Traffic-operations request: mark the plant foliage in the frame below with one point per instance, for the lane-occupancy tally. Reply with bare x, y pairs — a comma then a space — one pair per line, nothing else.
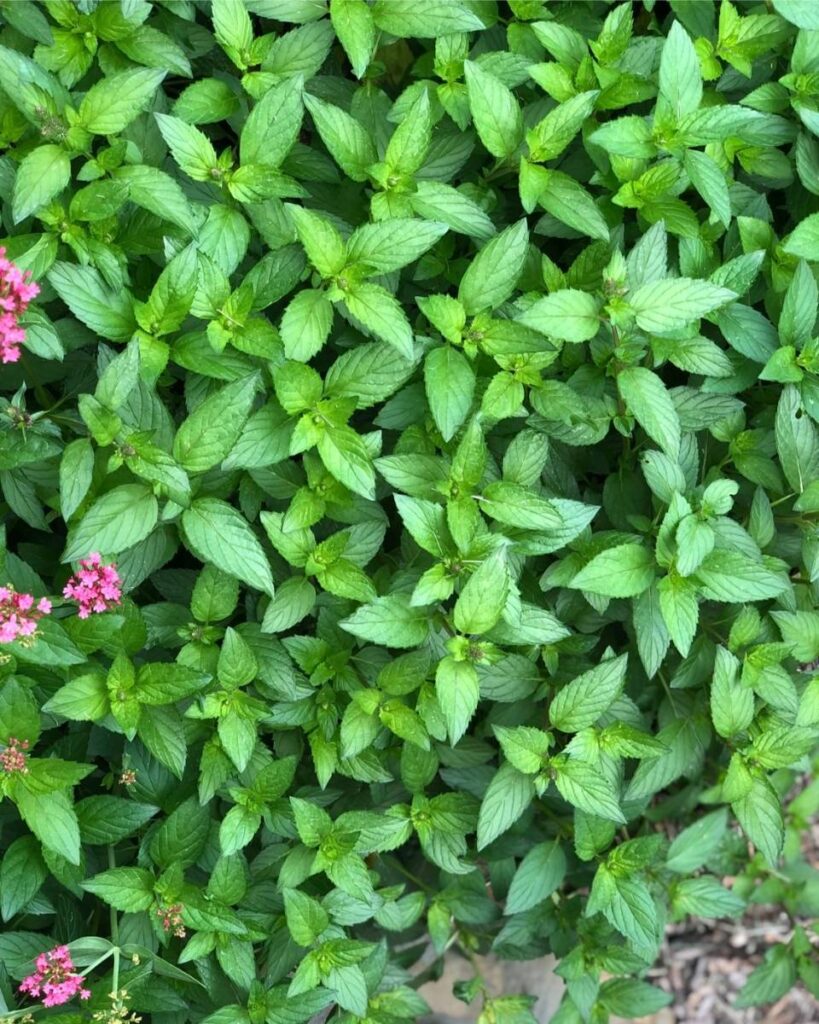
438, 381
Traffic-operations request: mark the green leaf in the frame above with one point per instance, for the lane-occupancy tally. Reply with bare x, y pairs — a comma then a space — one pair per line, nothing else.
355, 28
622, 571
631, 997
76, 471
108, 819
732, 703
105, 311
568, 315
346, 139
539, 874
272, 127
424, 18
506, 798
797, 441
495, 111
206, 437
113, 103
381, 315
126, 889
708, 179
759, 813
84, 699
582, 785
771, 980
22, 873
305, 324
706, 897
41, 176
680, 76
680, 610
491, 277
51, 818
410, 142
734, 577
450, 385
572, 204
347, 458
661, 307
231, 26
191, 149
553, 134
695, 844
799, 12
116, 521
205, 101
392, 244
218, 534
580, 703
389, 621
518, 506
458, 692
162, 732
483, 598
648, 400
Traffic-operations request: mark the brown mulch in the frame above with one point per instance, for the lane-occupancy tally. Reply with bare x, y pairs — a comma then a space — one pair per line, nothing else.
704, 966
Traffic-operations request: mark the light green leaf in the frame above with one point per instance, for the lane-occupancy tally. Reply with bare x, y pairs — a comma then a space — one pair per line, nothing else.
581, 702
491, 277
41, 176
680, 76
450, 386
116, 521
568, 315
647, 398
346, 139
622, 571
218, 534
347, 458
111, 104
382, 315
206, 437
495, 111
389, 621
664, 306
353, 24
458, 692
272, 126
508, 795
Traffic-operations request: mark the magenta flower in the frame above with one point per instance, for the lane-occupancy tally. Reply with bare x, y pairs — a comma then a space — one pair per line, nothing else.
16, 291
19, 614
55, 981
95, 587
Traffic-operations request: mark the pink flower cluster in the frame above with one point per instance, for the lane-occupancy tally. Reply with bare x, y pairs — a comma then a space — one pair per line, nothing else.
54, 981
14, 760
19, 614
16, 291
171, 919
95, 587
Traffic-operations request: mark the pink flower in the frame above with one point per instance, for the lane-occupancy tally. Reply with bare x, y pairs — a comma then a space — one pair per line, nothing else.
95, 587
171, 918
54, 982
18, 614
16, 291
13, 759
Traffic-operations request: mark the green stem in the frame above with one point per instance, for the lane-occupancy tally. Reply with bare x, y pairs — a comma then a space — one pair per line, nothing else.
112, 863
115, 974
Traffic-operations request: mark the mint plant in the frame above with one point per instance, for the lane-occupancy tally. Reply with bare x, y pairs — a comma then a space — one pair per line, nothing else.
409, 452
